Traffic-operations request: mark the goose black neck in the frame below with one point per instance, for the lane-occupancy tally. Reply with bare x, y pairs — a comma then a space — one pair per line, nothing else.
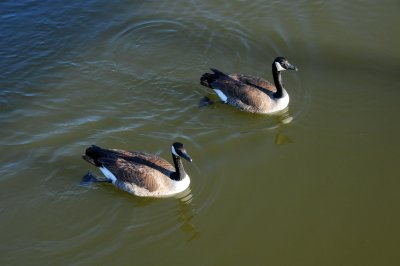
179, 173
278, 82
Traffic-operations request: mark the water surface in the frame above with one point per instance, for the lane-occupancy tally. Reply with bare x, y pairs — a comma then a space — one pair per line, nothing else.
320, 190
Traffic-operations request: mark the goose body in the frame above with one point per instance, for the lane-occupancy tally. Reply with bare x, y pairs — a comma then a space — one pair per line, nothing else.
140, 173
249, 93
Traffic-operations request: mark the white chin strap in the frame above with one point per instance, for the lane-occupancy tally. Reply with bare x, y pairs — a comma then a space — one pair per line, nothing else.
279, 67
173, 150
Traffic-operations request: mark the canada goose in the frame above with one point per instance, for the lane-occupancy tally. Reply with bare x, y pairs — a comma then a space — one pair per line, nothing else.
249, 93
140, 173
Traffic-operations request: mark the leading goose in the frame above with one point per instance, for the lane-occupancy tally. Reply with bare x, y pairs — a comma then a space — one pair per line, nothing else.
249, 93
140, 173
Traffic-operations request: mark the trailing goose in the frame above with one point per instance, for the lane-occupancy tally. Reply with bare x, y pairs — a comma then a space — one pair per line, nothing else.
249, 93
140, 173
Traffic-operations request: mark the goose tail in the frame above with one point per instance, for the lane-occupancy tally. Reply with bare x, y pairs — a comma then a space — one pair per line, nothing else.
92, 154
208, 78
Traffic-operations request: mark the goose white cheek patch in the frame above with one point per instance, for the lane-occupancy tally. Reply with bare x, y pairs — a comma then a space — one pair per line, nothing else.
174, 151
279, 67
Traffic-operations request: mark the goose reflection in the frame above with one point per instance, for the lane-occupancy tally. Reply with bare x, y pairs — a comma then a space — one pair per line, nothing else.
187, 211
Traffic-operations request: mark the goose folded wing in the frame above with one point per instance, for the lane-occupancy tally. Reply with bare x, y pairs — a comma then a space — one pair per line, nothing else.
256, 82
130, 172
240, 91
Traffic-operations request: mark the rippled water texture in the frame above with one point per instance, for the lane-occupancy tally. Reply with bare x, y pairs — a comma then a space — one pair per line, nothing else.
315, 185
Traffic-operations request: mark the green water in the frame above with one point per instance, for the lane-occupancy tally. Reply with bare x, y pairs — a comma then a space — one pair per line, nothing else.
320, 190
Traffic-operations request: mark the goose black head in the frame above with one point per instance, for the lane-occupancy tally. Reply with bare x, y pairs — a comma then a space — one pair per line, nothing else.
282, 64
179, 150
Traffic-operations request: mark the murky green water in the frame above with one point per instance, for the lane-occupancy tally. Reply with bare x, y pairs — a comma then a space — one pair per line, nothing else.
321, 190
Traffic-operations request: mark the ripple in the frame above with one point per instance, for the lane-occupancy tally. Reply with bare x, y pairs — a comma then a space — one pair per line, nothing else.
144, 48
127, 74
142, 33
127, 220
